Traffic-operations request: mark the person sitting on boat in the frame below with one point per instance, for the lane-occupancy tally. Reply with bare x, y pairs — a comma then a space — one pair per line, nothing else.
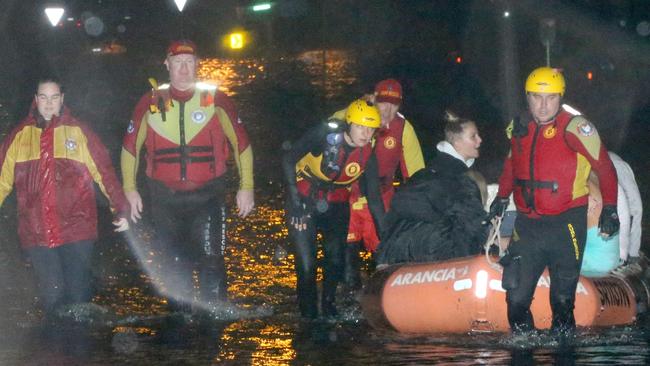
438, 213
602, 254
630, 235
621, 252
319, 169
551, 154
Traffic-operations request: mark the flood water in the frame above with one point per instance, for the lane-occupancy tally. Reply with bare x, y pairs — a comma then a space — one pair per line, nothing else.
128, 323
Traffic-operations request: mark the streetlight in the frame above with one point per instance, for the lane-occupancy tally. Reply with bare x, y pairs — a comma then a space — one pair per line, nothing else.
262, 7
54, 14
180, 4
236, 40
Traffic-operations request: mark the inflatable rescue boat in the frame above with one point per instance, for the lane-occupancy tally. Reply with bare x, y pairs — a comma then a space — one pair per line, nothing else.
465, 295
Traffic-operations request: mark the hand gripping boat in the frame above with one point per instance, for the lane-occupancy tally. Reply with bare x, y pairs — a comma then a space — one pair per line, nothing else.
465, 295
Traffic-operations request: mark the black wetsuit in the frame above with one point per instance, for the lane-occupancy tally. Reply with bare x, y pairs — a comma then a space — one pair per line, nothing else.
201, 236
319, 168
559, 245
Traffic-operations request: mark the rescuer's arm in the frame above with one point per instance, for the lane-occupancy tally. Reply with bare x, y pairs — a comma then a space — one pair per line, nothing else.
370, 187
241, 150
582, 137
308, 143
134, 138
412, 159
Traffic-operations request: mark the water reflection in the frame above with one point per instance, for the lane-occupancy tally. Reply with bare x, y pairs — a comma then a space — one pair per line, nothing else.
332, 71
229, 74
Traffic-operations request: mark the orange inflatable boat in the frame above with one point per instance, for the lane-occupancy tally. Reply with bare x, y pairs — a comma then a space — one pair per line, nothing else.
465, 295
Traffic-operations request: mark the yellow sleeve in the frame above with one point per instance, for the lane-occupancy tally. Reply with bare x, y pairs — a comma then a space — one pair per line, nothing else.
129, 163
411, 150
7, 173
243, 160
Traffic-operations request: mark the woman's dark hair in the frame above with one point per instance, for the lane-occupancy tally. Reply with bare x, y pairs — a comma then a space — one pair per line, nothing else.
454, 125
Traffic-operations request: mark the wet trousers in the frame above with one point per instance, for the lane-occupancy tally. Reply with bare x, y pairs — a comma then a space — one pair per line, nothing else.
333, 225
63, 273
556, 242
190, 234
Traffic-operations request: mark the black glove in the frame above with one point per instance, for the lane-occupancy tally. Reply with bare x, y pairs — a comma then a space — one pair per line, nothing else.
298, 212
498, 207
608, 222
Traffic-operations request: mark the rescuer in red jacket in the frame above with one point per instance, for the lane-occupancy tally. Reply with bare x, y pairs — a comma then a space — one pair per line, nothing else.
551, 154
188, 130
53, 160
397, 149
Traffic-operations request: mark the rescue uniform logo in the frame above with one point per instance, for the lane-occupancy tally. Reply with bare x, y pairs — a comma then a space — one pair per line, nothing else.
586, 128
390, 142
130, 128
198, 116
71, 144
550, 132
352, 169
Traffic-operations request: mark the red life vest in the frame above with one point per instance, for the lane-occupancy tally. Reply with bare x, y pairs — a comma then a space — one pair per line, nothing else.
187, 148
388, 149
317, 180
548, 176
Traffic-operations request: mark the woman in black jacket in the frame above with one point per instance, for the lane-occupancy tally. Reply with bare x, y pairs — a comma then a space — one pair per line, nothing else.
438, 213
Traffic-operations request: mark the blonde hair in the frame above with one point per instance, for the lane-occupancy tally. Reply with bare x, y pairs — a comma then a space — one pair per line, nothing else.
454, 125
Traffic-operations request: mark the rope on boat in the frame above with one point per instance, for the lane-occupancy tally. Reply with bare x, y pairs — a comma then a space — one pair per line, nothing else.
494, 238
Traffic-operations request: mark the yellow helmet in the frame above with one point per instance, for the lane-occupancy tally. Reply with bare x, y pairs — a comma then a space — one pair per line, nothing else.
545, 80
363, 113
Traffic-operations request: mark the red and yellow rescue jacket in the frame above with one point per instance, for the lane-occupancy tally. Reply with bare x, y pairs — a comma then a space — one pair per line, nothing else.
185, 135
53, 168
395, 147
313, 177
548, 167
324, 166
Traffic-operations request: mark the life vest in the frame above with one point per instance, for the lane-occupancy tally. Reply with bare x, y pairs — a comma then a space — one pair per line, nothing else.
388, 149
185, 141
549, 176
327, 173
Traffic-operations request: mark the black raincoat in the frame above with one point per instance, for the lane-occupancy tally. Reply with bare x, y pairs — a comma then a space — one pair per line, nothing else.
436, 215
